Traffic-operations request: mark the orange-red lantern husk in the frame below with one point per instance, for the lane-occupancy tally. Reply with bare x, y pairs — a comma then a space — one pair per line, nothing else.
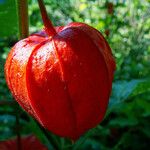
63, 80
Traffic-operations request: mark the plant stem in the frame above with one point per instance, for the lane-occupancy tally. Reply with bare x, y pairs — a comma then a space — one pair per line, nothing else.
51, 140
22, 12
19, 144
7, 102
50, 30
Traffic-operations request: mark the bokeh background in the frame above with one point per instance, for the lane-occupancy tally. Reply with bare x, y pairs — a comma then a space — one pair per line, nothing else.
126, 26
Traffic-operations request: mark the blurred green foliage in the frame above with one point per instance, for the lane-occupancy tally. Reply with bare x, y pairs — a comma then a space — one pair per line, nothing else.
8, 18
126, 26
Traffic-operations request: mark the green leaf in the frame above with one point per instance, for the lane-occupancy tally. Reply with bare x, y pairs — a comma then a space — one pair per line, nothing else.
8, 18
123, 122
122, 90
141, 88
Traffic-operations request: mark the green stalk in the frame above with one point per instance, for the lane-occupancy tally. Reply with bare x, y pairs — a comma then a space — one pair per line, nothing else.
22, 13
50, 138
19, 143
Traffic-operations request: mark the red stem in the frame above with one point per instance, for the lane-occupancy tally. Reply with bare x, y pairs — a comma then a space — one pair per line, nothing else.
50, 30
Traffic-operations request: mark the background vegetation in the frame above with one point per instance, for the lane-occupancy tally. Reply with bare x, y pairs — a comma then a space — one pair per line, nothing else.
126, 26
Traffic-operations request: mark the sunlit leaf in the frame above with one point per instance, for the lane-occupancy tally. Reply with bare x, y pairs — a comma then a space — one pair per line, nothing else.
8, 18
